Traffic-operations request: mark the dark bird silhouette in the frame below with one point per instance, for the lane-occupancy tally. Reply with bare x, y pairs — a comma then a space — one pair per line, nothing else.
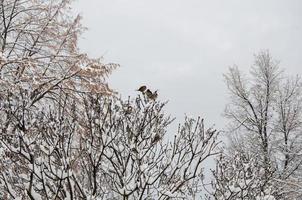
149, 93
156, 138
154, 95
128, 110
142, 89
134, 150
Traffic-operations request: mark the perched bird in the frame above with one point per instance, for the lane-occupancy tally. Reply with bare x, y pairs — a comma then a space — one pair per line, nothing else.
156, 138
154, 96
134, 150
142, 89
149, 93
128, 110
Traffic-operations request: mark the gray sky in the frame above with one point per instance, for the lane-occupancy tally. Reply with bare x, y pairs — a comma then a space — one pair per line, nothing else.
182, 47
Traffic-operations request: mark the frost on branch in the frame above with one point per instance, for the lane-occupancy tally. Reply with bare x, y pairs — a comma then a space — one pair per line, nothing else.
42, 76
39, 54
265, 120
242, 177
109, 149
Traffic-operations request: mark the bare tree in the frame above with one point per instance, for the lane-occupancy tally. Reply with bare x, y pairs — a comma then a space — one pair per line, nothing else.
265, 119
109, 150
288, 127
251, 107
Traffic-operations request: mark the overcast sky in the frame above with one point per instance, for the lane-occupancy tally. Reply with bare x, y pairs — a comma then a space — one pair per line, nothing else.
182, 47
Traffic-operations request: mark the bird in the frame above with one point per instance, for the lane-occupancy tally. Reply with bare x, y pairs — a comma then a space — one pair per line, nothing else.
142, 88
134, 150
128, 110
156, 138
149, 93
154, 95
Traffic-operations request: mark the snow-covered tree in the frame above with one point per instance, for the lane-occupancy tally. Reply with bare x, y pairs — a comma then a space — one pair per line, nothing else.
39, 53
111, 149
266, 122
242, 177
41, 68
63, 135
134, 156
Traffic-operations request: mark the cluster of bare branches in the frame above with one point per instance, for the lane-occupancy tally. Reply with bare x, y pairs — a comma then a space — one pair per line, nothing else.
109, 150
242, 177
